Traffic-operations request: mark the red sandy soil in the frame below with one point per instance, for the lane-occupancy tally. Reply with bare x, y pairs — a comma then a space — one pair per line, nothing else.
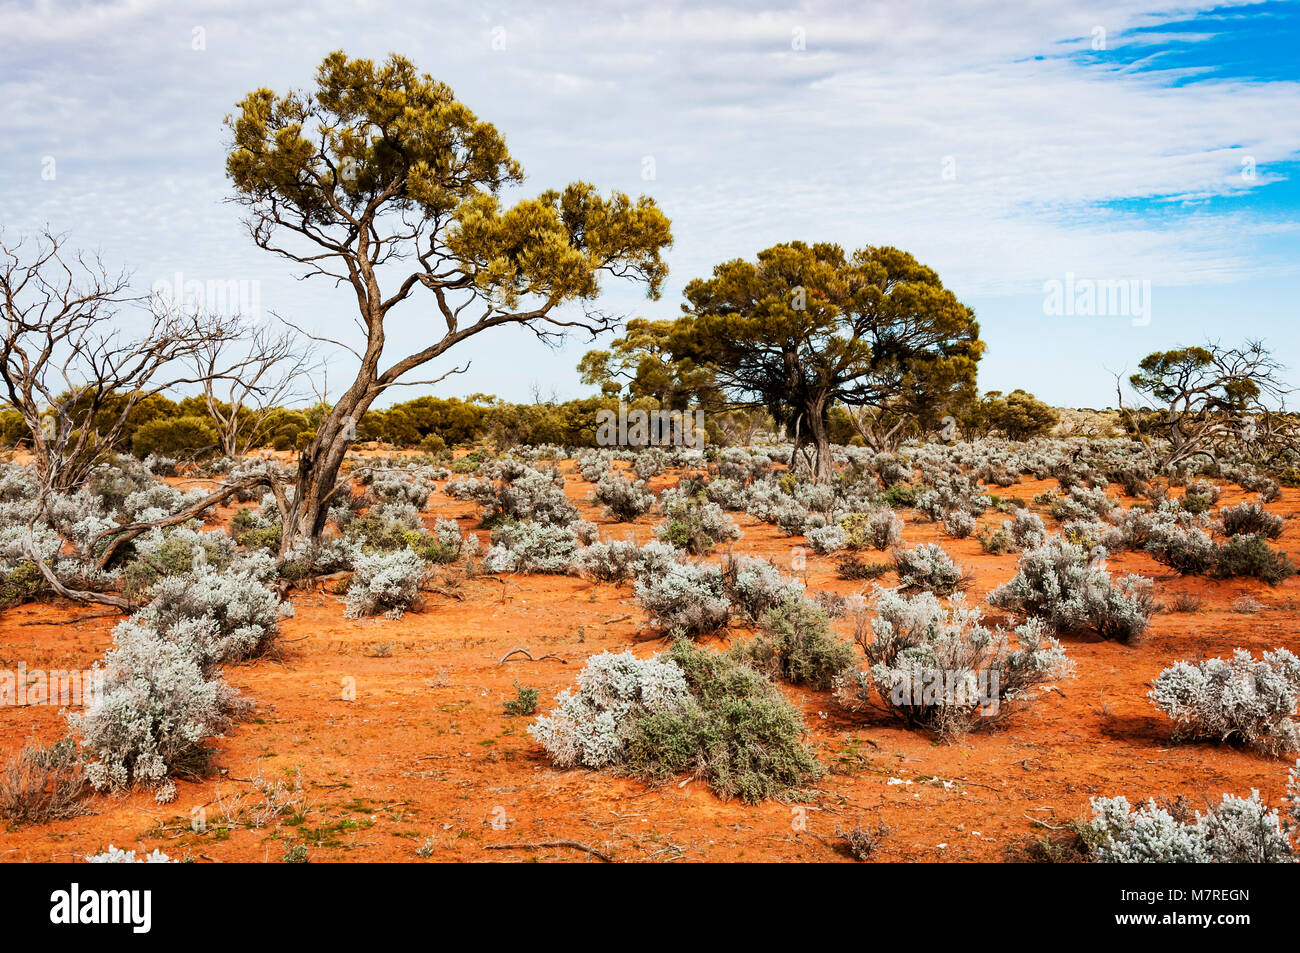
424, 755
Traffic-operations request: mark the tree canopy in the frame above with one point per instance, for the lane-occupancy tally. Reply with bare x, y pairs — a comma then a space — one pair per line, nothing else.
806, 326
382, 181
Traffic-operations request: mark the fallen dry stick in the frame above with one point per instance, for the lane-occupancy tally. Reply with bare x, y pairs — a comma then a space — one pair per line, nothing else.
526, 654
552, 843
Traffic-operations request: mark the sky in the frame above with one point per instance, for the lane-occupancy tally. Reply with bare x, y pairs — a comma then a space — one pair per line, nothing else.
1039, 155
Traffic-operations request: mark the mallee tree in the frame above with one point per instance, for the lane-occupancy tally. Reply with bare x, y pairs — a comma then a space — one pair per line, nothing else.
381, 181
805, 327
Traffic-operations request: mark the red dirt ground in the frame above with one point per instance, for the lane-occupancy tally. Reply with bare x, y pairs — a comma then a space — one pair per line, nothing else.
424, 755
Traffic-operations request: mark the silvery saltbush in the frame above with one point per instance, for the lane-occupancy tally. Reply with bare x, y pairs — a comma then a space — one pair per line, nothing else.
827, 539
623, 499
927, 566
754, 585
590, 727
115, 855
1057, 583
1237, 830
1236, 699
686, 597
533, 548
157, 708
940, 668
384, 582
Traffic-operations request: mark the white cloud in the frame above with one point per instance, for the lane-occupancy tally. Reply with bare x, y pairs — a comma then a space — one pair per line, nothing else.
753, 141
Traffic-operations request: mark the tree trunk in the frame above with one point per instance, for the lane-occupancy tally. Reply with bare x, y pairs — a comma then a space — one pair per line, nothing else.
819, 433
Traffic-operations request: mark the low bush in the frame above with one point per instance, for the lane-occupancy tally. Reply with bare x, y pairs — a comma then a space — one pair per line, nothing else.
157, 709
1057, 583
1250, 519
878, 529
795, 643
827, 539
385, 582
854, 567
741, 735
940, 668
226, 615
623, 500
755, 585
533, 548
614, 562
1237, 830
1238, 699
959, 524
928, 566
690, 711
696, 527
1252, 556
685, 597
40, 784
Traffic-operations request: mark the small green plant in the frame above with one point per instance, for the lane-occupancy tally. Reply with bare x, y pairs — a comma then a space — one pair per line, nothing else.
295, 854
795, 643
524, 702
855, 567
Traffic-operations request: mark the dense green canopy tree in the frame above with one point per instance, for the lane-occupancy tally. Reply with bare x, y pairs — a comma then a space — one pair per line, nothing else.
1018, 415
381, 181
806, 326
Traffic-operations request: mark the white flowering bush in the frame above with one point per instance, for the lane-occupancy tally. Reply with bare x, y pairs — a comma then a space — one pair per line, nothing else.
115, 855
685, 597
827, 539
385, 582
1237, 699
1237, 830
157, 708
623, 499
928, 566
940, 668
533, 548
1057, 583
591, 727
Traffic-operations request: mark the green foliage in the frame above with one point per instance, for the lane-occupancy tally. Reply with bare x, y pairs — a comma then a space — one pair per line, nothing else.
900, 495
175, 437
22, 583
742, 736
1018, 415
806, 326
524, 702
795, 643
1252, 556
644, 361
